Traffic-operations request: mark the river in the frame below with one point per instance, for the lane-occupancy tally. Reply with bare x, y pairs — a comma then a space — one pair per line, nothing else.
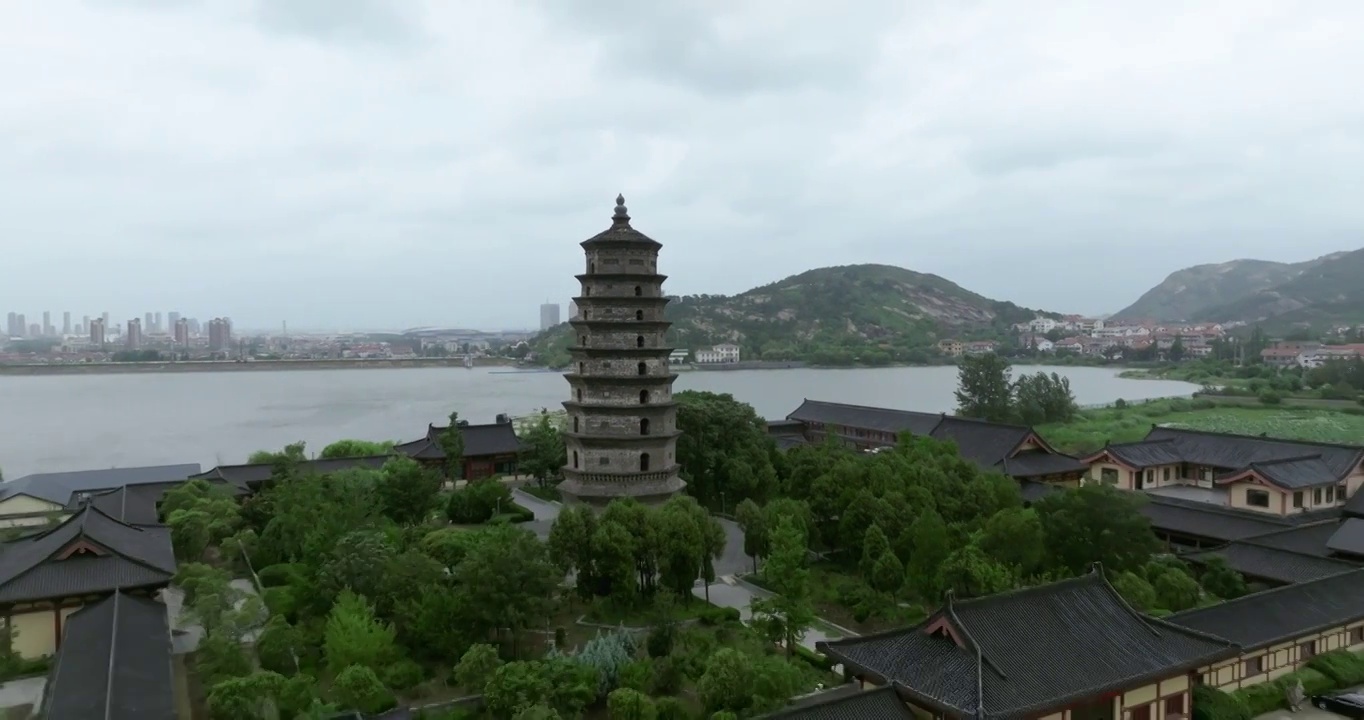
77, 422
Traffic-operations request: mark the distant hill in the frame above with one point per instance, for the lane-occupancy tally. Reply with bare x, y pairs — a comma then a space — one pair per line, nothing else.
1329, 291
870, 314
1190, 294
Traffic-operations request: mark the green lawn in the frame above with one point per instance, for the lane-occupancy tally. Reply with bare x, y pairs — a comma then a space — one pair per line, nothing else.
1095, 427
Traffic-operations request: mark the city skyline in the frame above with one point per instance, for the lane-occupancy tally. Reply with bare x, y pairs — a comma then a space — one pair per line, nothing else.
963, 140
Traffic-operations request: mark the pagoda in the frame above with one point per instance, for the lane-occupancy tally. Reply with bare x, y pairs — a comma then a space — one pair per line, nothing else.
621, 435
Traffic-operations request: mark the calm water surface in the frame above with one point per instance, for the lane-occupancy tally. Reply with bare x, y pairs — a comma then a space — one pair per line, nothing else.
75, 422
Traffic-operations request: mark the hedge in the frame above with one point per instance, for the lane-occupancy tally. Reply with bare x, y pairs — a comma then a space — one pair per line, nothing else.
1209, 703
1273, 695
819, 662
281, 575
716, 615
1345, 668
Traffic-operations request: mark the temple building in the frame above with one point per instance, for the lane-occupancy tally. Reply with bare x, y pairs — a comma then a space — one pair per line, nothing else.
621, 439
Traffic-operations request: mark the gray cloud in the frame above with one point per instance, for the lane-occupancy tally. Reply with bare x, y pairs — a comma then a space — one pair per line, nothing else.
378, 164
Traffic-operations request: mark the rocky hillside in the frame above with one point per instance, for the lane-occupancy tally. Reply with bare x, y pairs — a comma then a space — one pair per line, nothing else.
1192, 293
1330, 291
838, 315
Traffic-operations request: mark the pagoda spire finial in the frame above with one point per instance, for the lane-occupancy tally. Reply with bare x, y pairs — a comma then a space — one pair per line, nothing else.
621, 215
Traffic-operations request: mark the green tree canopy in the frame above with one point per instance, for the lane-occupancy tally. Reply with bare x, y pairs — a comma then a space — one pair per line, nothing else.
983, 388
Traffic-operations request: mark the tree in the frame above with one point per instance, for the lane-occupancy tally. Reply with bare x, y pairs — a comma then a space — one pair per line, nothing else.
451, 441
1014, 538
627, 704
354, 637
969, 573
1175, 588
1041, 398
1096, 524
1135, 590
887, 574
571, 546
679, 549
931, 546
613, 568
250, 697
874, 545
515, 687
356, 448
407, 490
983, 388
752, 523
199, 515
1176, 353
726, 682
359, 562
506, 582
359, 687
724, 450
1222, 581
786, 615
544, 453
293, 452
477, 667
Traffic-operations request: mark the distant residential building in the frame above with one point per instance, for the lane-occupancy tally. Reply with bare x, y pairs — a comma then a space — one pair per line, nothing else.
97, 331
21, 326
35, 330
572, 310
48, 329
678, 356
172, 318
980, 347
133, 339
66, 322
149, 322
549, 315
951, 348
219, 334
12, 326
181, 332
157, 327
725, 353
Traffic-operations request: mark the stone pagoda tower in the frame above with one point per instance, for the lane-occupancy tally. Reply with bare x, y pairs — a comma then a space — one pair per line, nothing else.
622, 423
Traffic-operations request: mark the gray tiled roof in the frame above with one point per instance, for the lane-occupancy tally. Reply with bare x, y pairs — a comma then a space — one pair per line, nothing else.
1273, 564
987, 444
137, 504
479, 440
1205, 521
1291, 464
1308, 539
1348, 539
59, 487
846, 703
1030, 651
114, 663
1273, 616
251, 475
137, 557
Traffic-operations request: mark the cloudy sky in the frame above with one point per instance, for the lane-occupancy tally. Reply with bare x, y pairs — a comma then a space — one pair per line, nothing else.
375, 163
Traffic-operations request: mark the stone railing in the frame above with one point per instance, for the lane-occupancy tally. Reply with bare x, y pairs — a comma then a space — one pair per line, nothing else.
612, 478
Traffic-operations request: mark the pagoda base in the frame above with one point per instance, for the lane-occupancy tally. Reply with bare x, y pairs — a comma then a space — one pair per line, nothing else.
597, 491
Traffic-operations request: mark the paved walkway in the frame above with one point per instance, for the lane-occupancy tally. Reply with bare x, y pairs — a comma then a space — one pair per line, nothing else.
21, 694
734, 592
546, 511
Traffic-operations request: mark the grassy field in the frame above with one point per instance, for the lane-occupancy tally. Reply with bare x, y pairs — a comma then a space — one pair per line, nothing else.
1095, 427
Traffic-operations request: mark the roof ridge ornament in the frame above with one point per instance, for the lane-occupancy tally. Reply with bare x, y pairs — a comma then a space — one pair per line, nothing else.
622, 215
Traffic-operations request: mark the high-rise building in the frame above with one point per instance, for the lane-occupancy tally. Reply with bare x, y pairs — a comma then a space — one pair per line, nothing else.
157, 327
96, 331
195, 328
66, 322
549, 315
35, 330
181, 331
572, 310
21, 323
219, 334
12, 325
134, 336
622, 434
48, 329
149, 322
105, 317
171, 319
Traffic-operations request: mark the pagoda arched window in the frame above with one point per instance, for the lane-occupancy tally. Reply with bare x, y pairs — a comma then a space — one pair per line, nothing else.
591, 268
575, 423
643, 369
639, 314
580, 394
639, 341
582, 368
644, 462
638, 291
575, 459
643, 397
644, 426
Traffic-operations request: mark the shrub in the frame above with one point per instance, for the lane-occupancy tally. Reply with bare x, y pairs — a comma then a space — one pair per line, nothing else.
670, 708
1269, 696
281, 601
359, 688
403, 675
819, 662
1209, 703
1345, 668
668, 678
660, 642
477, 502
477, 667
1270, 397
281, 575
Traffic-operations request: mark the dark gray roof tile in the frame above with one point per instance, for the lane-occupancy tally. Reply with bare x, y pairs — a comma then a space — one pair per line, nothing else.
1272, 564
1202, 520
871, 418
846, 703
252, 475
479, 440
1033, 463
1348, 539
1281, 614
114, 663
134, 557
58, 487
1235, 452
1018, 650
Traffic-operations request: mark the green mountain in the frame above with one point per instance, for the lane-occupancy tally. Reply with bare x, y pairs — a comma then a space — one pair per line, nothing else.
1330, 291
867, 314
1190, 294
